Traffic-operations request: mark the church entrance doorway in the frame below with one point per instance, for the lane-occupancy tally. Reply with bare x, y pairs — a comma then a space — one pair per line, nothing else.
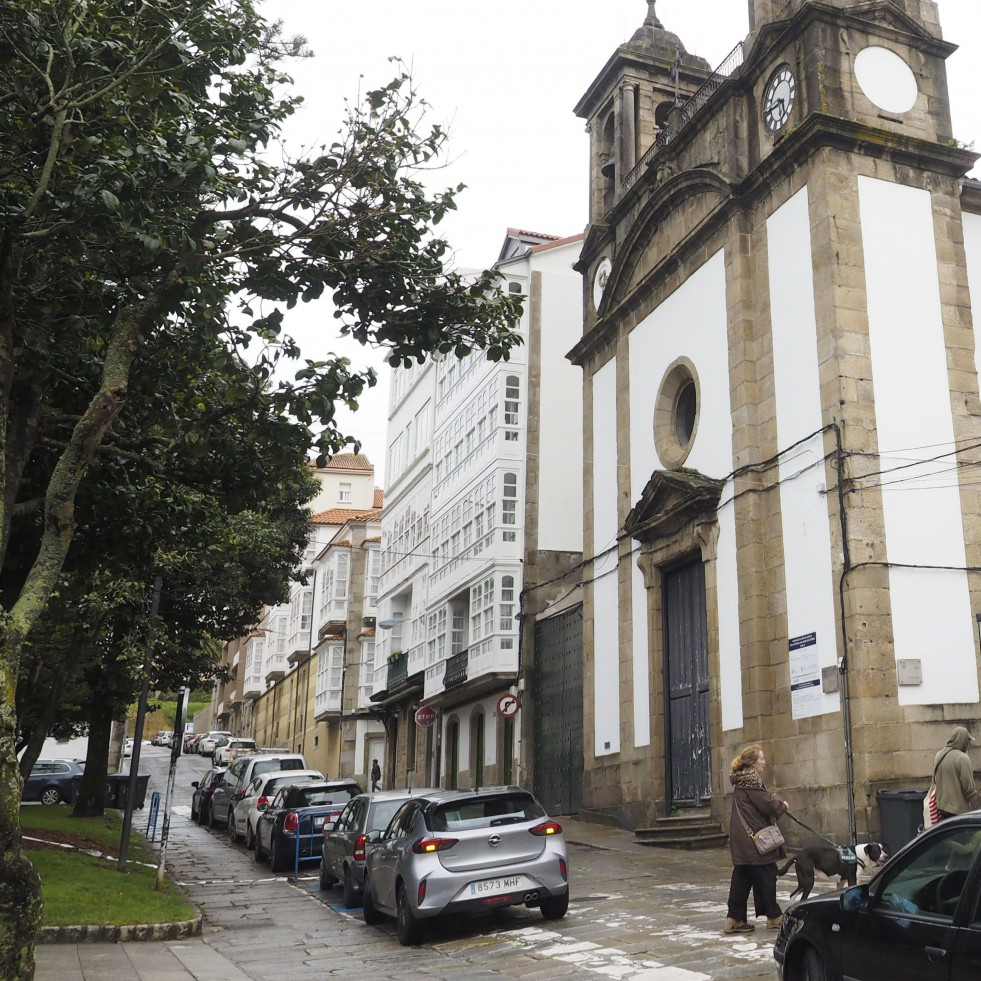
688, 762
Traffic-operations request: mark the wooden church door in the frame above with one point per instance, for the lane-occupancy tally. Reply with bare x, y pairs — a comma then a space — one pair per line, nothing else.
687, 687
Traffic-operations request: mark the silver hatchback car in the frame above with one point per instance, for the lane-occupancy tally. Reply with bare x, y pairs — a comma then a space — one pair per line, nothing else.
452, 851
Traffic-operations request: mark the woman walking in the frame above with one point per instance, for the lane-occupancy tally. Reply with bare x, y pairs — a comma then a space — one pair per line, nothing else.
753, 808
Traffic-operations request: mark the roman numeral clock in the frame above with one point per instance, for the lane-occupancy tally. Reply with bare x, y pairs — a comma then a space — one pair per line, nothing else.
778, 98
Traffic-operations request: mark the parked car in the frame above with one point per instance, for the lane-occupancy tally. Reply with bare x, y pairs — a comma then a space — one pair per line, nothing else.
156, 737
297, 815
345, 840
240, 774
203, 790
188, 737
195, 742
916, 919
454, 851
53, 781
243, 816
128, 746
231, 748
167, 738
209, 740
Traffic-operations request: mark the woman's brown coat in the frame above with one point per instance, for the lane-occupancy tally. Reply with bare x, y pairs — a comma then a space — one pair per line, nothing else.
759, 807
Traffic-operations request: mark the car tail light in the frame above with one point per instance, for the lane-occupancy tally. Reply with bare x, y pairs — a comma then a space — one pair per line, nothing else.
548, 828
562, 869
292, 822
425, 845
359, 847
422, 892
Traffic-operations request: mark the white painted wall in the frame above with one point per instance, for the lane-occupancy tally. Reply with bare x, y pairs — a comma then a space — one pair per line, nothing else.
803, 502
641, 657
560, 412
932, 616
972, 247
606, 613
692, 323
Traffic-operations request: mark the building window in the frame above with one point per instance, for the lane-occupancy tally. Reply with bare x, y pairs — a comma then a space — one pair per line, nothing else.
344, 494
509, 507
507, 603
676, 411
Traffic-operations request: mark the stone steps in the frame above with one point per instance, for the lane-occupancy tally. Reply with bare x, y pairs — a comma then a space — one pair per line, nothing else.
687, 830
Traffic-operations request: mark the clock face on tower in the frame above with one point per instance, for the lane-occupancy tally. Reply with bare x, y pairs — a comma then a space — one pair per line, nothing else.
778, 99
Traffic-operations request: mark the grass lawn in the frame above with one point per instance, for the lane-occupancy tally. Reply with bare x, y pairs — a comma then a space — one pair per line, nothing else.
84, 889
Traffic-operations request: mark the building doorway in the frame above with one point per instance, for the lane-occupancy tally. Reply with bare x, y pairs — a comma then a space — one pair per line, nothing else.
686, 677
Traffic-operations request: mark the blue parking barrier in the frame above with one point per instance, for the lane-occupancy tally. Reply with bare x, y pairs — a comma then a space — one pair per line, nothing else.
151, 821
314, 836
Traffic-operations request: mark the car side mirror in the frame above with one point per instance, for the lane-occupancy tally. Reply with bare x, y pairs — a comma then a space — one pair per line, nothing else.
855, 899
239, 795
329, 826
194, 783
262, 807
373, 837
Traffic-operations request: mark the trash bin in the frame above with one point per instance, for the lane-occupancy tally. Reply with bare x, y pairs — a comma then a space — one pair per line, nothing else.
902, 816
117, 790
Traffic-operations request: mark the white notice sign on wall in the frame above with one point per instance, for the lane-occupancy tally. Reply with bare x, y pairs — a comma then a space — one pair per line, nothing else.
805, 677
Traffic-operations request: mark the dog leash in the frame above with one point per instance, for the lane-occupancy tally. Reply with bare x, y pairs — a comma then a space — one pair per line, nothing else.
808, 828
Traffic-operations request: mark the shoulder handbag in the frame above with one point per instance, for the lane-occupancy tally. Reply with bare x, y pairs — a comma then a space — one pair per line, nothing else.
931, 815
767, 839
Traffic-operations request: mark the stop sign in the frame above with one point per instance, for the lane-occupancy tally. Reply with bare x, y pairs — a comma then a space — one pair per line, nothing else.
425, 716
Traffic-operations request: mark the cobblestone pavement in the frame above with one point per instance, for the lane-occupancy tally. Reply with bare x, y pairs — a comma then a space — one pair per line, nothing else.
636, 914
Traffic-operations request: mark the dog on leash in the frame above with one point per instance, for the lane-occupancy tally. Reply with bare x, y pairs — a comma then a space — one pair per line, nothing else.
826, 859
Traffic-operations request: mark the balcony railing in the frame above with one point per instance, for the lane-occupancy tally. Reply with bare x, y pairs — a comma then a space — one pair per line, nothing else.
398, 668
732, 61
456, 669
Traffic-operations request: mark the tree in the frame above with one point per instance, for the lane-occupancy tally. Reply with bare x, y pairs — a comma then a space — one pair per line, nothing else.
140, 215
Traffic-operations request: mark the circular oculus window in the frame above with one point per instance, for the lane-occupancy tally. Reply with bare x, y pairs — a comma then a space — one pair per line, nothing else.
887, 81
676, 412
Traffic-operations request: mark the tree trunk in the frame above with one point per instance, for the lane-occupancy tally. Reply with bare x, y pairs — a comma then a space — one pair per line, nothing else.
91, 799
20, 885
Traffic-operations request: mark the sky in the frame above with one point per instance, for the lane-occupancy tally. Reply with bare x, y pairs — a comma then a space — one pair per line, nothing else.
504, 78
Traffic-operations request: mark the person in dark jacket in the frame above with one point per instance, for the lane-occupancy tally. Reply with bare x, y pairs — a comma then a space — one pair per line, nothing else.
954, 776
376, 775
753, 807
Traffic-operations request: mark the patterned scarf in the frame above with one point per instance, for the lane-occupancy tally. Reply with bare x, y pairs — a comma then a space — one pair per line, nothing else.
747, 777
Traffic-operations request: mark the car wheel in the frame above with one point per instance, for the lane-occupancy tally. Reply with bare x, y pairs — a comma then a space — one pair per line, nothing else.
50, 795
260, 852
350, 890
194, 814
203, 814
368, 909
212, 823
233, 835
406, 923
277, 860
813, 966
249, 837
555, 907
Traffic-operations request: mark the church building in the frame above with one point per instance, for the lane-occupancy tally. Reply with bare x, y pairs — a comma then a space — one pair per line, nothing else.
781, 416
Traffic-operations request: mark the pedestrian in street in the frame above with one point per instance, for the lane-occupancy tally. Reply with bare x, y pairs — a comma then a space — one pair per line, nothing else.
953, 775
753, 808
376, 775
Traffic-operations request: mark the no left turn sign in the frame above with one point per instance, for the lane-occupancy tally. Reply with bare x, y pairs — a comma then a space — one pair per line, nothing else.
508, 705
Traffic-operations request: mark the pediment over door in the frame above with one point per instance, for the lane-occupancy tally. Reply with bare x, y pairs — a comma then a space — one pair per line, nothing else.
672, 501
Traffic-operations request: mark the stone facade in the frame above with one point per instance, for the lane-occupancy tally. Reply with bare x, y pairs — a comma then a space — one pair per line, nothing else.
709, 195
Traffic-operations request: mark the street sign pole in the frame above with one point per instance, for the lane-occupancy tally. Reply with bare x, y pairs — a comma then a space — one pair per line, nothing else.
176, 748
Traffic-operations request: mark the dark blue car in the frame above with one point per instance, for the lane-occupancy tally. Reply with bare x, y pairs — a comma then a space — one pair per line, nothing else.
291, 827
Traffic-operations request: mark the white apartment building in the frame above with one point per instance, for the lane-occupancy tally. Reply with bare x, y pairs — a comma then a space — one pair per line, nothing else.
454, 529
